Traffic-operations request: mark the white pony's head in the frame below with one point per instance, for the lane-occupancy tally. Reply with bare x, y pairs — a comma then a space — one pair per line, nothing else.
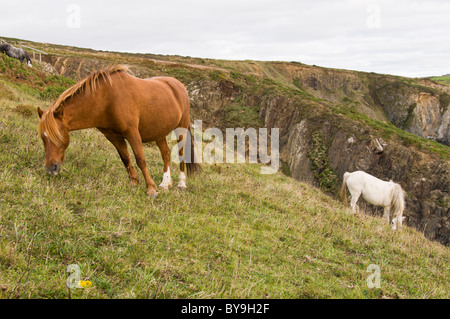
397, 222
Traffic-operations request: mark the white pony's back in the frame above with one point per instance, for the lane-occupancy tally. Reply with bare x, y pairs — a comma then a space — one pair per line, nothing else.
373, 190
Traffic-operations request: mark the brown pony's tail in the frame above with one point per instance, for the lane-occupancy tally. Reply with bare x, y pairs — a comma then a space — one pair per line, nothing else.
343, 192
191, 166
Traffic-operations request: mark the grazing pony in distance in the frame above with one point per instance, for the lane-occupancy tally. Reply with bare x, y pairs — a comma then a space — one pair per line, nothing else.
122, 107
16, 53
390, 195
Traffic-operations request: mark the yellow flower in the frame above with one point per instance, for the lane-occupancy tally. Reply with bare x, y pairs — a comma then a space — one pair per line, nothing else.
85, 283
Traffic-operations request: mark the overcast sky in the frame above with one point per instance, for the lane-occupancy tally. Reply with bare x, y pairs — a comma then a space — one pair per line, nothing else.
401, 37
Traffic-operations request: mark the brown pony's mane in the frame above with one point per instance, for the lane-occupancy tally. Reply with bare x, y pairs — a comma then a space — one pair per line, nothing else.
48, 122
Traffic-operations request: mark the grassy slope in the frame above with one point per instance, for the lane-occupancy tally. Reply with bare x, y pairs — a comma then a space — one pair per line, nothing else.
234, 234
445, 79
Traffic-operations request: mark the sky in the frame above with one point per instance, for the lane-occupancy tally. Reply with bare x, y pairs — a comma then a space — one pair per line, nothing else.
399, 37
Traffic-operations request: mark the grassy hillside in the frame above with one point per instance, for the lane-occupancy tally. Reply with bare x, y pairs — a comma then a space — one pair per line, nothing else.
444, 79
233, 234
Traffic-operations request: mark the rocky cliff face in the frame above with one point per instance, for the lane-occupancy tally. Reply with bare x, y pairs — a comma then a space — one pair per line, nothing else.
430, 118
421, 110
417, 106
330, 121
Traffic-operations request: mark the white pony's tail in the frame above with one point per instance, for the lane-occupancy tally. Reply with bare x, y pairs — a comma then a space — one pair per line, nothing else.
397, 203
343, 192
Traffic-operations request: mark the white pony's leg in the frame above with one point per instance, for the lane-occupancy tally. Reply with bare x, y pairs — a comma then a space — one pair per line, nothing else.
355, 197
167, 180
387, 213
394, 224
182, 181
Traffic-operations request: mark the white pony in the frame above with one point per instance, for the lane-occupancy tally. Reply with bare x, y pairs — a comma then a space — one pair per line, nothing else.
376, 192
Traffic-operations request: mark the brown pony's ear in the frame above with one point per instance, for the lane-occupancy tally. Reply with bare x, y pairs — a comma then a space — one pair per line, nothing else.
59, 112
40, 112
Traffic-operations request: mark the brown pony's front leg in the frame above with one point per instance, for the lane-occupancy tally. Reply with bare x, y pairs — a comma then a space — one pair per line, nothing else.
134, 138
121, 146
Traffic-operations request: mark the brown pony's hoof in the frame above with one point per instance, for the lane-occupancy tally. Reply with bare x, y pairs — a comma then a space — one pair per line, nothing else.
153, 194
134, 181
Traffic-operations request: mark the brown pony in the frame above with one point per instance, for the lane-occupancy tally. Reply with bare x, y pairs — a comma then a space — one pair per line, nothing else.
122, 107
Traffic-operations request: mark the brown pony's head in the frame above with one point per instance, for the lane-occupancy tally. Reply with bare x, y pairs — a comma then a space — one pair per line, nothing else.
55, 135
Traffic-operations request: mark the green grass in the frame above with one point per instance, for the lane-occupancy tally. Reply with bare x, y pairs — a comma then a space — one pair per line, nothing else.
233, 234
442, 79
32, 82
237, 115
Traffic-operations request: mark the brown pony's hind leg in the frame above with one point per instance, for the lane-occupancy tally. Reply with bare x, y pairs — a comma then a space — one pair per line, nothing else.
134, 138
121, 146
182, 176
165, 153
